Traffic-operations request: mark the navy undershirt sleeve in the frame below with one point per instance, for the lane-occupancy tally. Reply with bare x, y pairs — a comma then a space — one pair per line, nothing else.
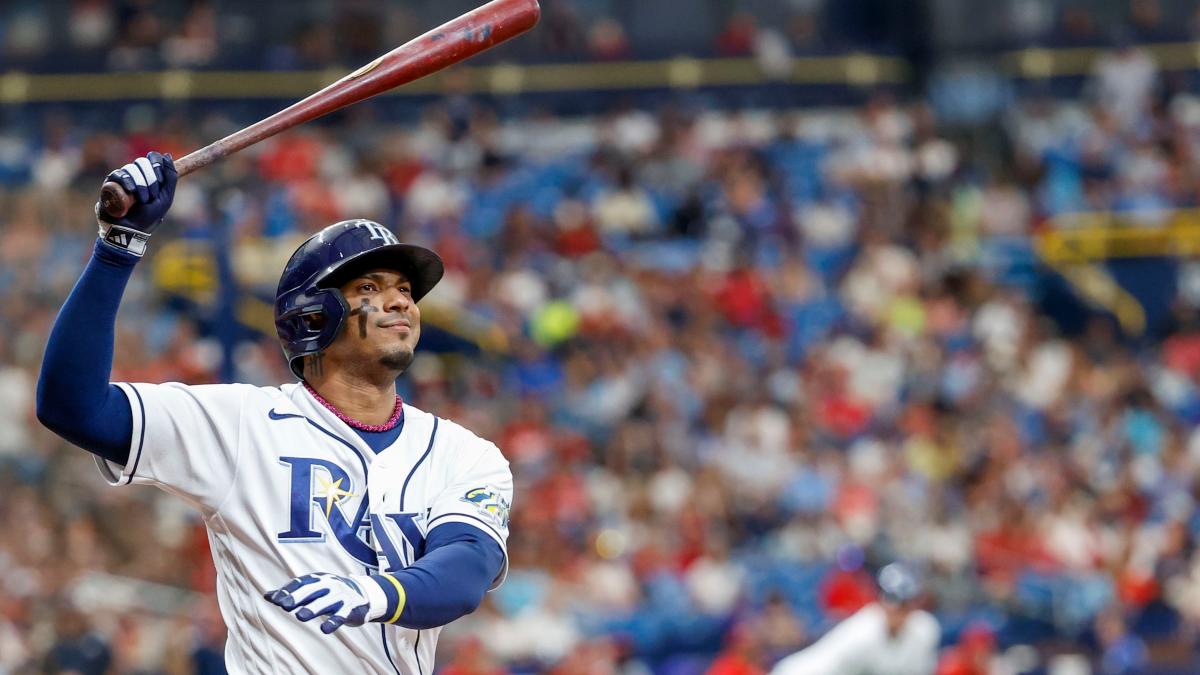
449, 581
74, 397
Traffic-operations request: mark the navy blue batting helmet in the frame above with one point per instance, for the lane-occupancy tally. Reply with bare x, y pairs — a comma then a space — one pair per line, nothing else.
310, 309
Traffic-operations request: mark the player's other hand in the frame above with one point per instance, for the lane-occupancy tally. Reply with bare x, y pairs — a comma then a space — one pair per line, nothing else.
150, 180
344, 601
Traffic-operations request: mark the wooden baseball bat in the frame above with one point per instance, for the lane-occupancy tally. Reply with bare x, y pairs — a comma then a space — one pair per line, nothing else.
453, 41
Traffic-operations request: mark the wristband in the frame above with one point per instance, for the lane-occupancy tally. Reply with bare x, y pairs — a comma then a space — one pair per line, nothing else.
127, 239
396, 597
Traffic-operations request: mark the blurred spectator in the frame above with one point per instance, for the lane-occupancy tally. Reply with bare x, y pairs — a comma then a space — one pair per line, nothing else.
607, 41
1124, 80
773, 53
91, 24
139, 33
780, 629
561, 31
739, 35
77, 648
470, 658
974, 654
740, 656
1147, 23
626, 209
27, 34
195, 45
16, 389
1077, 27
1123, 653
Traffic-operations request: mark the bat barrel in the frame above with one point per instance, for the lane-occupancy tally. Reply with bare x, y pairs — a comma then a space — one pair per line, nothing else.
452, 42
456, 40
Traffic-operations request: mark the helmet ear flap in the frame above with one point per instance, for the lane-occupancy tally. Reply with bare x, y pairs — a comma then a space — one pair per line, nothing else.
309, 323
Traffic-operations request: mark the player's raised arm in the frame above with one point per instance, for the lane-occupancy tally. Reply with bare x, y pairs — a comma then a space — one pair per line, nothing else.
74, 397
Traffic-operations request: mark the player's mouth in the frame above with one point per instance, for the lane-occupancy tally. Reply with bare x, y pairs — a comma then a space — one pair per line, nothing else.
397, 325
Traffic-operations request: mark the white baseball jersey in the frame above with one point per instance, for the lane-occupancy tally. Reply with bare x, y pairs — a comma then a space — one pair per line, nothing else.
287, 488
861, 645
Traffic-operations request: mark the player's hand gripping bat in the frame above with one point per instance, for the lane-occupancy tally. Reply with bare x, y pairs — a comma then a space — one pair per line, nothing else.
453, 41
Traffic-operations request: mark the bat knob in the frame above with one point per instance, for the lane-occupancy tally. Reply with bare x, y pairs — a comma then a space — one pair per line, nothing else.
114, 200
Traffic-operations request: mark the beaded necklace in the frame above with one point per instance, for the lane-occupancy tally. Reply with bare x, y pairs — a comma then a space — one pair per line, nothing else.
355, 424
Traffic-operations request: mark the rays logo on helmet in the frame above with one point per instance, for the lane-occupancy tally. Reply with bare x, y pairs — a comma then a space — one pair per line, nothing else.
379, 232
490, 503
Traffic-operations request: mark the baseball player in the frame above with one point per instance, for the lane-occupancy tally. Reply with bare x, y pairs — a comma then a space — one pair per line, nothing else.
890, 637
346, 526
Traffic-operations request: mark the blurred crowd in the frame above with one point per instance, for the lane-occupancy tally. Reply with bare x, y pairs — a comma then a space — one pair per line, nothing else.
737, 361
131, 35
136, 35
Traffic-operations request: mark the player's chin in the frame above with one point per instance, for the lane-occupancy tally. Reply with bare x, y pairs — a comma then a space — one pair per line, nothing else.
398, 358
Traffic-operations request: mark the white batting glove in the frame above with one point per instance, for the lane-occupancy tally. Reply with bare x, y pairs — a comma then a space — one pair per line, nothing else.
349, 601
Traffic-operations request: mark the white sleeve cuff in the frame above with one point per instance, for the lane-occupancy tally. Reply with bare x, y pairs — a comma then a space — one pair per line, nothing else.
113, 473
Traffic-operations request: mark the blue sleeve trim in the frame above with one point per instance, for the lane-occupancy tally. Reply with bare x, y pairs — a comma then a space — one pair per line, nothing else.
481, 521
141, 436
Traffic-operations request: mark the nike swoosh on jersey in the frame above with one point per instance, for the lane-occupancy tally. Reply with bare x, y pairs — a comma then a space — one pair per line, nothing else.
282, 416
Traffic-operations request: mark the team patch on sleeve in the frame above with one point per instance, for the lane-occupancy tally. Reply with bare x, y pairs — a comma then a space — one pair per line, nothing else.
490, 503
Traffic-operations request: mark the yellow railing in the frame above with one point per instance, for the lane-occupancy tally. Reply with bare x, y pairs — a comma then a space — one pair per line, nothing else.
18, 87
1091, 237
682, 72
1077, 244
676, 73
1040, 63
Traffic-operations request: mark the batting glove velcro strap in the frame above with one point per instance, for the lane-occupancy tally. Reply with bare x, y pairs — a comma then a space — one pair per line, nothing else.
344, 601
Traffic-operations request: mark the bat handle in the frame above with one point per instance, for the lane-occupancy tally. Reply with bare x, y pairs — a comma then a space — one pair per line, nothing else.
114, 200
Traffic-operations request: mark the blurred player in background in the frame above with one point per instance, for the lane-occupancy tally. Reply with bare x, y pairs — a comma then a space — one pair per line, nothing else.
375, 511
893, 636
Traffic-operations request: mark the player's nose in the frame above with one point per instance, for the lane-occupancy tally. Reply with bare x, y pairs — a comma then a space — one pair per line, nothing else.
396, 300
